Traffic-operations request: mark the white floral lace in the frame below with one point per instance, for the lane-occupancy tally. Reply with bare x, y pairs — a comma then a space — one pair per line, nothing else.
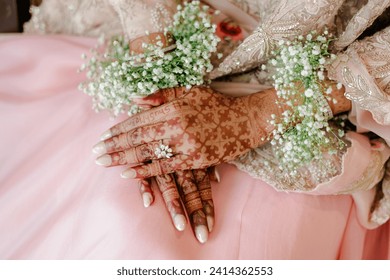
140, 16
89, 18
365, 71
289, 19
346, 12
97, 17
257, 8
361, 20
262, 163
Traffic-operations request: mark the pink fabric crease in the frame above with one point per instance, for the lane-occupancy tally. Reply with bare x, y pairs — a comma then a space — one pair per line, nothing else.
56, 203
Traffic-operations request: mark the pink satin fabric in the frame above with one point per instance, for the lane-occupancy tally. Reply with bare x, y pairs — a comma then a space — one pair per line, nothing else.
56, 203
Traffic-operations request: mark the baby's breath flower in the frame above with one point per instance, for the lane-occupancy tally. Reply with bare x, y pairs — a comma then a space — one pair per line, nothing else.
299, 71
116, 76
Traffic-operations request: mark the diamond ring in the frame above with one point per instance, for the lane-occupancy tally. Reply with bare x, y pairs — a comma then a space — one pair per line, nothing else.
163, 151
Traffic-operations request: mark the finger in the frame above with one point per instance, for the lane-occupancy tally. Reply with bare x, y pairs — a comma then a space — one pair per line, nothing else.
145, 107
146, 192
153, 132
136, 155
161, 96
170, 194
202, 180
214, 174
157, 167
143, 118
193, 204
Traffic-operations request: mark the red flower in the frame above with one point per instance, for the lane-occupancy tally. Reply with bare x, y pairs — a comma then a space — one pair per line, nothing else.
228, 28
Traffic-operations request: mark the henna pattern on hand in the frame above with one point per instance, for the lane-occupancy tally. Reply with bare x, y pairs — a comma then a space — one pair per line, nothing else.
202, 180
170, 194
191, 198
203, 127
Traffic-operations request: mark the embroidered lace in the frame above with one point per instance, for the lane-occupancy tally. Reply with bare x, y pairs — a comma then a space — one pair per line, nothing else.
365, 71
97, 17
289, 19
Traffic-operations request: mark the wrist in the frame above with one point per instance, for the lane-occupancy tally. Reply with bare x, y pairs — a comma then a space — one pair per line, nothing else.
337, 101
140, 44
263, 107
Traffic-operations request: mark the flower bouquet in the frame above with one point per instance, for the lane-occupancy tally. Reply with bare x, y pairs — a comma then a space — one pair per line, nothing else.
118, 74
303, 134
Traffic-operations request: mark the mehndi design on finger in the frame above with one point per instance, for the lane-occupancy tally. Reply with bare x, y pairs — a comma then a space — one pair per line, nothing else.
203, 182
193, 204
167, 186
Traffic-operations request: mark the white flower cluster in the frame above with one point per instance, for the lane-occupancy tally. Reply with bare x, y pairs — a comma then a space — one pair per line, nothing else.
116, 76
301, 133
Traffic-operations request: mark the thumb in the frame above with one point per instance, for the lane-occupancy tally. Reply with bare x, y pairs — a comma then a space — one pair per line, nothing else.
160, 97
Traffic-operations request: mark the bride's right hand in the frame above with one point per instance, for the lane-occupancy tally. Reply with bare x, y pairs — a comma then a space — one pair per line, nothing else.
202, 128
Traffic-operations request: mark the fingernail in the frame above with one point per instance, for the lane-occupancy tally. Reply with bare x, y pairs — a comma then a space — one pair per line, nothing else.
104, 160
129, 174
107, 134
217, 176
180, 222
201, 233
147, 198
210, 223
99, 148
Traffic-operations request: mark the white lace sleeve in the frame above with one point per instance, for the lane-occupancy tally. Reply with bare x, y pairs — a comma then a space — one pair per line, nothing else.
76, 17
361, 20
289, 19
138, 16
97, 17
364, 69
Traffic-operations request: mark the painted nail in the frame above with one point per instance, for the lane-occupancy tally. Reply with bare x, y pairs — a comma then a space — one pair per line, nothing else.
147, 198
129, 174
180, 222
104, 160
107, 134
210, 223
99, 148
217, 176
201, 233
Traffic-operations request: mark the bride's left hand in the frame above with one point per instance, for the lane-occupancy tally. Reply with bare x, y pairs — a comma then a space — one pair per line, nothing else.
193, 188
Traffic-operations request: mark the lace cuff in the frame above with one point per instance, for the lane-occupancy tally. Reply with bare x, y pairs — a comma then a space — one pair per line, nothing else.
364, 69
137, 17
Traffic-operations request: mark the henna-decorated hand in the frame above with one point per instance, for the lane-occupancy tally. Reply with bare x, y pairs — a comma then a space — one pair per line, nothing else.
192, 187
202, 127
